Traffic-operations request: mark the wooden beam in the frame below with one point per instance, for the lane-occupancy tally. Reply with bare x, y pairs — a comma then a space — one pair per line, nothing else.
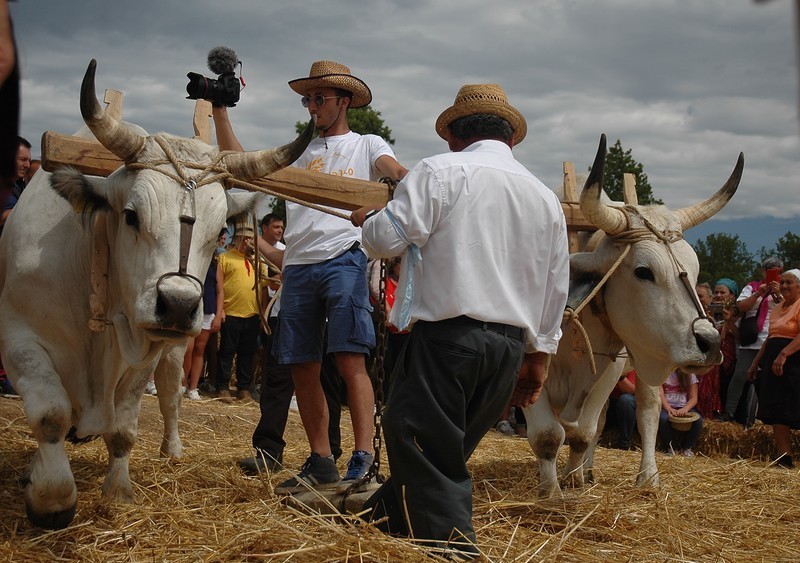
87, 155
202, 121
629, 189
90, 157
571, 195
113, 100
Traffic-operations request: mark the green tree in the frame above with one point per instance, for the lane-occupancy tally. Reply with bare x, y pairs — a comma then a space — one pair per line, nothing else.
618, 162
724, 256
362, 120
788, 250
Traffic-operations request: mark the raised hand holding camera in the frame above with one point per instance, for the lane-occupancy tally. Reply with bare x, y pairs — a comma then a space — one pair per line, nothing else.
224, 91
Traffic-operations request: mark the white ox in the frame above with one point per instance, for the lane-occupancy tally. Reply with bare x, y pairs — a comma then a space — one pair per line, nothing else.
648, 306
90, 383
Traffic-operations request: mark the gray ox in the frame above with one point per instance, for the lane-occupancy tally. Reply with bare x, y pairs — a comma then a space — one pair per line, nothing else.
647, 306
161, 243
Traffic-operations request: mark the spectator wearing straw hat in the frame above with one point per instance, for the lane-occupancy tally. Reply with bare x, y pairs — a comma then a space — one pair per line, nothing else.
241, 324
324, 275
492, 240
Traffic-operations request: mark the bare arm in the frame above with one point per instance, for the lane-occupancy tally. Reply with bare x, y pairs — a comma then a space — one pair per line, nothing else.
226, 139
789, 349
390, 168
271, 253
625, 385
691, 400
220, 314
7, 53
667, 407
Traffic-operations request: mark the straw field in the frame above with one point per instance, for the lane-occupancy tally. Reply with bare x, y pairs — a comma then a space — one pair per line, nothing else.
713, 507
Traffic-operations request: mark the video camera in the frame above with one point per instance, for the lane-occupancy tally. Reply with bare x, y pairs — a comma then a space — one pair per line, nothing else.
224, 91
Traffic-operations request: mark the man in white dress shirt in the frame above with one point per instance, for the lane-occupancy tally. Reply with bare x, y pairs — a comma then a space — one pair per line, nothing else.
484, 282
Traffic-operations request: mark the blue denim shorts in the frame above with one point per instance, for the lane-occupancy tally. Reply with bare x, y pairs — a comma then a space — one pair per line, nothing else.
335, 290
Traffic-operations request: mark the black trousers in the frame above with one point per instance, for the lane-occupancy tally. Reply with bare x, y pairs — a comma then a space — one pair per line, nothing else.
277, 388
450, 386
239, 338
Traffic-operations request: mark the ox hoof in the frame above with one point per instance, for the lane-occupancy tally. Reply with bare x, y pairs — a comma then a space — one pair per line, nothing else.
51, 520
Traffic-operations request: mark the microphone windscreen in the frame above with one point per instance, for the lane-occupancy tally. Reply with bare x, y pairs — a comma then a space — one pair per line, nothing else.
222, 60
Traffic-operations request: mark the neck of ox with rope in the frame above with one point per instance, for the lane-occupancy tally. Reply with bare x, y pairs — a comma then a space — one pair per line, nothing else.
628, 237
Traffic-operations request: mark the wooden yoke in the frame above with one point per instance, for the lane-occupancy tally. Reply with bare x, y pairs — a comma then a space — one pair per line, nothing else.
313, 187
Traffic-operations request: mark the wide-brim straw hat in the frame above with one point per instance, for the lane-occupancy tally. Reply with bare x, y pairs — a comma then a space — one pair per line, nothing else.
473, 99
330, 74
683, 423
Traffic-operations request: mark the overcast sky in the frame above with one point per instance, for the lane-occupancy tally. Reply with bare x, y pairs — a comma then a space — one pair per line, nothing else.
685, 84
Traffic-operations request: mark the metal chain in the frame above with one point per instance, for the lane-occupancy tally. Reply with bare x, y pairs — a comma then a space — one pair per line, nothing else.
379, 374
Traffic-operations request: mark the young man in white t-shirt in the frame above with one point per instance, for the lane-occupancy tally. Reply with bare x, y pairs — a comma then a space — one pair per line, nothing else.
324, 275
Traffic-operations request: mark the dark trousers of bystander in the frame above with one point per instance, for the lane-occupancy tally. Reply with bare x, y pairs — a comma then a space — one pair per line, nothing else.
277, 388
240, 339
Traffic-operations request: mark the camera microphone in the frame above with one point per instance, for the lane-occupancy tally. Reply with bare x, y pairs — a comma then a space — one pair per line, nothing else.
222, 60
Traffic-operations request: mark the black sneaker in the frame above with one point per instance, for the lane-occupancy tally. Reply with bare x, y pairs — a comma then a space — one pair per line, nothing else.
317, 473
259, 463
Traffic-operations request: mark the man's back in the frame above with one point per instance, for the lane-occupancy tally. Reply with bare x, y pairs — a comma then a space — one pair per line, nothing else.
491, 236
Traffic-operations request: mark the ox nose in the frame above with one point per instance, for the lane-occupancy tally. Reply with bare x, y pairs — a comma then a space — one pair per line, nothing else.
708, 339
178, 302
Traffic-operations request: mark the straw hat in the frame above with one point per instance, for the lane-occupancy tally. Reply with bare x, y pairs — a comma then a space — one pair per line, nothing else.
683, 423
482, 98
330, 74
244, 230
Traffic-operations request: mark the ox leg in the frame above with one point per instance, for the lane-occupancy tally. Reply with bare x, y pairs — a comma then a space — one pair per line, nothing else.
168, 375
545, 435
648, 406
119, 442
50, 493
585, 433
589, 463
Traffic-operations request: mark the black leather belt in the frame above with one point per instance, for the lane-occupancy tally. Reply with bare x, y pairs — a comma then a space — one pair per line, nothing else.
507, 330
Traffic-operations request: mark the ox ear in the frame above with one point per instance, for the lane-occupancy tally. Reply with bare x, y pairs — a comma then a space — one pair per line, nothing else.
241, 204
81, 193
586, 269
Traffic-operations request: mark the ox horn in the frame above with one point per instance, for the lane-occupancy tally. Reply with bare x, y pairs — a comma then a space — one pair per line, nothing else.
257, 164
699, 212
609, 219
112, 134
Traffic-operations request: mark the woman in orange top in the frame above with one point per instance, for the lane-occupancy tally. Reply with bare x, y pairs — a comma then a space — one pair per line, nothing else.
778, 367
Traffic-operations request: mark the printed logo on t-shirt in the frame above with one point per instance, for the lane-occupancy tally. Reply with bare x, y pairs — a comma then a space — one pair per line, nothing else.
318, 165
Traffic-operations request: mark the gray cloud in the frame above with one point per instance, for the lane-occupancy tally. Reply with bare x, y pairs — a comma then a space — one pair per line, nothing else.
685, 85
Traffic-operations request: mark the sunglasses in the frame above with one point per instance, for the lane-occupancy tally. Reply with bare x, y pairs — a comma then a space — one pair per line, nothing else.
319, 100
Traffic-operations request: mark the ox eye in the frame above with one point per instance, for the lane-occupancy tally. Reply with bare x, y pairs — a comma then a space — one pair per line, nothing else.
644, 273
131, 218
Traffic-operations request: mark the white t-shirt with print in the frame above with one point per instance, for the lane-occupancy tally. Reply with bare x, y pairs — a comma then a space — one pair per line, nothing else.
314, 236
